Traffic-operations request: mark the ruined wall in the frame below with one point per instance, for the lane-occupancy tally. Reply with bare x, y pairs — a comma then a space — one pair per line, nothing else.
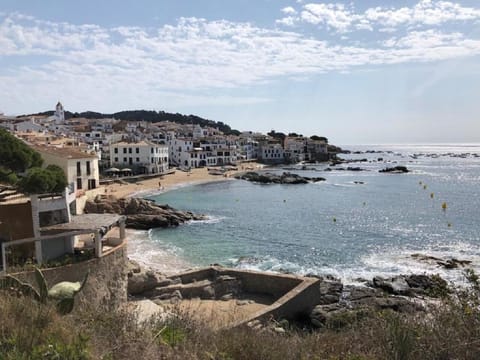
107, 283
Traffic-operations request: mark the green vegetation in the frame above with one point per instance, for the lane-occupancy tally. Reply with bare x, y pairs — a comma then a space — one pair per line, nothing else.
29, 330
43, 180
20, 166
15, 157
63, 293
319, 138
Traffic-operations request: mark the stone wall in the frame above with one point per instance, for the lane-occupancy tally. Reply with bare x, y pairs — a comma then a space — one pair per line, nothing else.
107, 282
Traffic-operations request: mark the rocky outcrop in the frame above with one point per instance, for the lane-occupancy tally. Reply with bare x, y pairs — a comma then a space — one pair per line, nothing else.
270, 178
141, 280
141, 214
395, 170
343, 305
450, 263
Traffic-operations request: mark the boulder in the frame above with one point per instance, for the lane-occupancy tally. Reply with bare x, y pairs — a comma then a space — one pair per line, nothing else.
141, 282
330, 291
396, 285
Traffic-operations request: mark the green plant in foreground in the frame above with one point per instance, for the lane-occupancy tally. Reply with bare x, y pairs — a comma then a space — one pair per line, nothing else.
63, 293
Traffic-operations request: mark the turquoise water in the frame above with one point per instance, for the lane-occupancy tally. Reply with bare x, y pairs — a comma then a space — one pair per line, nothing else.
335, 227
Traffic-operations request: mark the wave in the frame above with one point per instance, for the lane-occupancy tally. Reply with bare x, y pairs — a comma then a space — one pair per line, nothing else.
155, 255
210, 220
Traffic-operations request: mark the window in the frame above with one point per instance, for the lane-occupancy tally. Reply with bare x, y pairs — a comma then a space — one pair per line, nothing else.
116, 159
115, 150
124, 159
151, 150
88, 168
79, 183
137, 159
137, 150
79, 169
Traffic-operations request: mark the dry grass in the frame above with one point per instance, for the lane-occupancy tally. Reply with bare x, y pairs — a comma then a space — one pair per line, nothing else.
31, 331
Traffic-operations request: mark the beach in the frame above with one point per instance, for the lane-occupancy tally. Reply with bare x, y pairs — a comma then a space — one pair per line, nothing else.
171, 181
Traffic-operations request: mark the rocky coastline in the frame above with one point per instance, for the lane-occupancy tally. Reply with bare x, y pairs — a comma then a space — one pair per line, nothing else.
141, 214
338, 304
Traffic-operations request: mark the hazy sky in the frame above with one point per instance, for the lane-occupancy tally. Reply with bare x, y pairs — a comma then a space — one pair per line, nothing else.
369, 71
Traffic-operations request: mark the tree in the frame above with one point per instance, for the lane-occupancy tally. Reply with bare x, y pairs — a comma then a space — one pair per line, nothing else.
294, 135
15, 157
41, 181
20, 166
319, 138
277, 135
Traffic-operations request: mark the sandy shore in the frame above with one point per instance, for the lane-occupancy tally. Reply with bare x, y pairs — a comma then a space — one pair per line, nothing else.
171, 181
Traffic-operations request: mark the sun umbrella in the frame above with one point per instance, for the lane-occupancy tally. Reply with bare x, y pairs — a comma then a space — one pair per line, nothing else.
112, 170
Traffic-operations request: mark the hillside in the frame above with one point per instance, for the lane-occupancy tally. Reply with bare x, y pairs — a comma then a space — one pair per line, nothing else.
150, 116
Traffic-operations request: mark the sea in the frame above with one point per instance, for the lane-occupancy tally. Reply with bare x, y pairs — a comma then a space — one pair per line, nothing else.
354, 225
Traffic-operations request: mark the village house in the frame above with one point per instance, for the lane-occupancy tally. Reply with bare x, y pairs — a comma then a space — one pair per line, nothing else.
294, 149
271, 152
142, 157
81, 168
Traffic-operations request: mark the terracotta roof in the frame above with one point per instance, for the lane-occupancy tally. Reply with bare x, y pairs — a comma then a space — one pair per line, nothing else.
67, 152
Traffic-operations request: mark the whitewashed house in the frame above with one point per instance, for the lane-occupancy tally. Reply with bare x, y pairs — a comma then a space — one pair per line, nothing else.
81, 168
271, 152
142, 157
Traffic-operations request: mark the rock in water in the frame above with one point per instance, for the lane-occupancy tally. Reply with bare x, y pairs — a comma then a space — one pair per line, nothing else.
269, 178
141, 214
395, 170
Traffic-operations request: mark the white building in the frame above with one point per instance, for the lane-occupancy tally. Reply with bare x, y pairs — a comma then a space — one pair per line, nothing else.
28, 126
270, 152
81, 169
210, 151
141, 157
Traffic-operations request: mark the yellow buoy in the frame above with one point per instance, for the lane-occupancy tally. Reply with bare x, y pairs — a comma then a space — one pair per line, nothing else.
424, 187
449, 225
431, 195
444, 206
334, 219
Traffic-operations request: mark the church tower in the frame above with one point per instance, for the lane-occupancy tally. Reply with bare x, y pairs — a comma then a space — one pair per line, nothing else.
59, 114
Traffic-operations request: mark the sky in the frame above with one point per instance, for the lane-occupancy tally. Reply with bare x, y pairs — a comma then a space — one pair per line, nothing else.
357, 72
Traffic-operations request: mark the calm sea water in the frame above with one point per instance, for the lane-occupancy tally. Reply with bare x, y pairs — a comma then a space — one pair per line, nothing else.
339, 227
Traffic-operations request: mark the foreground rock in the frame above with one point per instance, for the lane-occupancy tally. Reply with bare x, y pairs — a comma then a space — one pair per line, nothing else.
395, 170
269, 178
343, 305
141, 214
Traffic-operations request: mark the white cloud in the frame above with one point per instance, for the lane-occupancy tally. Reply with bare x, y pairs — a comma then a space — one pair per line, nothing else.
289, 10
342, 18
135, 66
335, 16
